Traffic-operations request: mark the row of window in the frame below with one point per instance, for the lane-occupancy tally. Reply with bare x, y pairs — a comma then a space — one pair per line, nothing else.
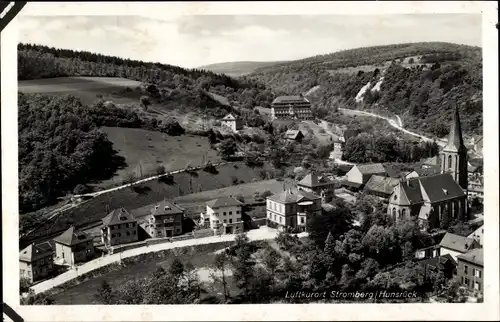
119, 226
225, 213
475, 272
119, 234
469, 283
225, 220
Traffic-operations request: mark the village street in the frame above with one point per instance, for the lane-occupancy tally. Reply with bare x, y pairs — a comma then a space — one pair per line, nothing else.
262, 233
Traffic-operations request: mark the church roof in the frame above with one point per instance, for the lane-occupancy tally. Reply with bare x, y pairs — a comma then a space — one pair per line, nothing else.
455, 139
437, 188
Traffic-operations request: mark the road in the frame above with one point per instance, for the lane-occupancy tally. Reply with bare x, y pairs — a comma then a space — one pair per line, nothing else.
262, 233
397, 124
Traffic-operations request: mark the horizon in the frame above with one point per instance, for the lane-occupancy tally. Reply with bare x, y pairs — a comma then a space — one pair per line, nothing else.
200, 40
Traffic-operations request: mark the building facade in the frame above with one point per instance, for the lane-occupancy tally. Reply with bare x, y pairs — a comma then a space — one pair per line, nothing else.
224, 215
478, 235
74, 247
359, 174
470, 270
291, 107
318, 185
119, 227
233, 122
36, 261
456, 245
165, 220
292, 208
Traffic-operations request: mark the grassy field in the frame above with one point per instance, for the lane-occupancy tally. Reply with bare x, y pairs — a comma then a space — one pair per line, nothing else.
145, 150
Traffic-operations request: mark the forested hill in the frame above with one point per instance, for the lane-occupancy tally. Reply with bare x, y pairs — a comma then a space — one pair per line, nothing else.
238, 68
421, 82
175, 84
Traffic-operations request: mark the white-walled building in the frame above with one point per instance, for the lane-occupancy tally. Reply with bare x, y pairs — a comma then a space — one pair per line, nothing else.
456, 245
232, 122
478, 235
224, 215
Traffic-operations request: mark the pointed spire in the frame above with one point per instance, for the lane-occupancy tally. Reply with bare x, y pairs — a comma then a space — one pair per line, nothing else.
455, 139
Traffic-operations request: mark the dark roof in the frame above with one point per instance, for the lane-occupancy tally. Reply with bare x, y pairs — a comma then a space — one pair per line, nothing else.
455, 140
422, 172
35, 251
381, 184
224, 202
293, 134
351, 184
457, 243
371, 168
392, 172
439, 187
230, 117
474, 256
166, 208
293, 196
313, 180
118, 216
290, 99
439, 261
72, 237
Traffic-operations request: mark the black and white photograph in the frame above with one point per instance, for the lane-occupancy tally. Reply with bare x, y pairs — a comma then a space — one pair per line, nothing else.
177, 153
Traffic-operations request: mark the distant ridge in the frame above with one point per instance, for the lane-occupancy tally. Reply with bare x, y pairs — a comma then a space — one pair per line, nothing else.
238, 68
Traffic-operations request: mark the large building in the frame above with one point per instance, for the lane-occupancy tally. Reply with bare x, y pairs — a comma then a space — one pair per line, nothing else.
36, 261
320, 185
291, 107
292, 208
165, 220
471, 270
119, 227
73, 247
359, 174
224, 215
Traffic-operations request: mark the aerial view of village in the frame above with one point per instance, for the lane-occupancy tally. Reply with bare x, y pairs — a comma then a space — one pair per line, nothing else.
346, 174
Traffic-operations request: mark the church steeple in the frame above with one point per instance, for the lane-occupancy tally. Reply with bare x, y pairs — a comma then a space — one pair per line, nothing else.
454, 154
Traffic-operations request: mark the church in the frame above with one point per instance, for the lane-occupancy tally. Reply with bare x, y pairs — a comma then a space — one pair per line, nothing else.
435, 198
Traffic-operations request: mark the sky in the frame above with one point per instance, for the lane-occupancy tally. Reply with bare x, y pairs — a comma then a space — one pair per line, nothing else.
195, 40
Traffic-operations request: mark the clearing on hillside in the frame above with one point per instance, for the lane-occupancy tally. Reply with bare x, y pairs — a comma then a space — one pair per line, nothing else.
145, 150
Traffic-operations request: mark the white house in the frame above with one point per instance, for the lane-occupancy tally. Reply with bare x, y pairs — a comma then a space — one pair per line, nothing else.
232, 122
361, 173
478, 235
456, 245
224, 215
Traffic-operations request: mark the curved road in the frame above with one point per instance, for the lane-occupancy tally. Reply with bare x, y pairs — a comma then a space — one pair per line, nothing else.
262, 233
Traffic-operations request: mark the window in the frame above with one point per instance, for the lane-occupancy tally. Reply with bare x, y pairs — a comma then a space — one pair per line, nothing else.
466, 269
395, 197
237, 212
394, 212
224, 213
224, 220
128, 233
126, 225
230, 220
477, 286
302, 220
404, 213
22, 272
112, 235
281, 219
133, 233
466, 281
230, 213
449, 162
477, 273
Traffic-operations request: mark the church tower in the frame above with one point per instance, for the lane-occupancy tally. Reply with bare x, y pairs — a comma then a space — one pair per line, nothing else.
454, 154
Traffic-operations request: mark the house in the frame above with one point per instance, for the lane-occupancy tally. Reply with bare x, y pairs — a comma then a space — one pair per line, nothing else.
381, 186
470, 269
427, 252
429, 199
232, 122
359, 174
224, 215
320, 185
445, 264
476, 188
119, 227
165, 220
291, 107
423, 172
478, 235
292, 208
36, 261
456, 245
294, 135
74, 246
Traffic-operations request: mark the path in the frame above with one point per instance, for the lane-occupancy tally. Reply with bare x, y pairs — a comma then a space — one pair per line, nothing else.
257, 234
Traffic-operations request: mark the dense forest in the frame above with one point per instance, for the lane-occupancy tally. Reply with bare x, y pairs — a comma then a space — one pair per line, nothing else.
175, 84
422, 89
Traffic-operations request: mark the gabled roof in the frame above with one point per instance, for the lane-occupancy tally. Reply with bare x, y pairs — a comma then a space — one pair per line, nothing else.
224, 202
422, 172
118, 216
439, 262
72, 237
293, 134
455, 140
290, 99
166, 208
371, 168
290, 196
34, 252
313, 180
381, 184
438, 187
306, 195
392, 171
457, 243
474, 256
433, 161
230, 117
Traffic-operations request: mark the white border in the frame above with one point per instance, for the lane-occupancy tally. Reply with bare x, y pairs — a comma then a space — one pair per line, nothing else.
485, 311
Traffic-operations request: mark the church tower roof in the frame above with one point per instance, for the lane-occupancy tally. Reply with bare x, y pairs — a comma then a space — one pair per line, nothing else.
455, 139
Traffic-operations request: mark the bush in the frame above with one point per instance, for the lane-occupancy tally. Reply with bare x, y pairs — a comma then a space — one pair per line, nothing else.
160, 170
210, 168
172, 128
80, 189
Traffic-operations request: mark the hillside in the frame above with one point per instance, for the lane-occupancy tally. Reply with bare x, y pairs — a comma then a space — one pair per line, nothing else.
420, 82
237, 68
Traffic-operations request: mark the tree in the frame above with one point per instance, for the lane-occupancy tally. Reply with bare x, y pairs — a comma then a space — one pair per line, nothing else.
24, 285
221, 263
145, 101
445, 218
80, 189
271, 259
176, 268
160, 170
104, 294
337, 222
227, 148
